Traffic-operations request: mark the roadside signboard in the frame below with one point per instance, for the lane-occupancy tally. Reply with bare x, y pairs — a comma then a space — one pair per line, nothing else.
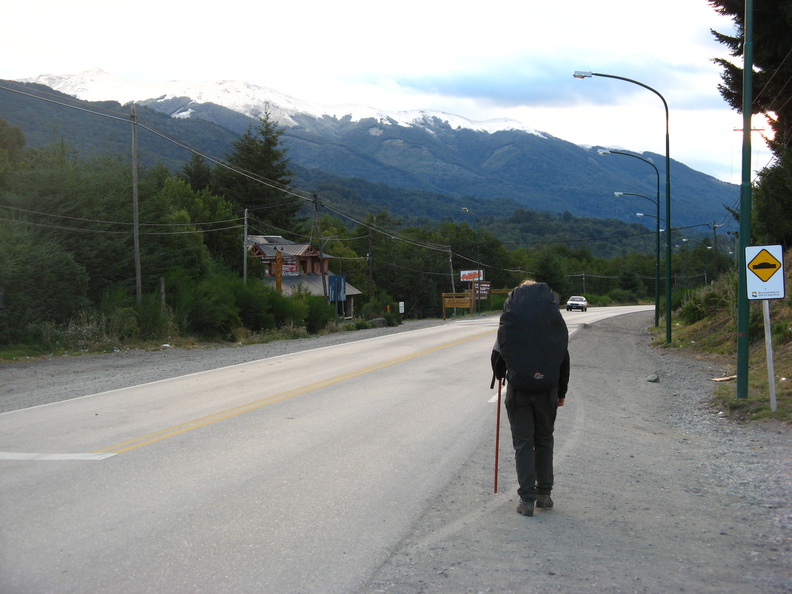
765, 273
337, 287
765, 276
469, 276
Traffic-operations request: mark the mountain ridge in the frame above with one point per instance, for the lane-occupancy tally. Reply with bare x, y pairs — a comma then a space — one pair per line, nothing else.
247, 98
432, 153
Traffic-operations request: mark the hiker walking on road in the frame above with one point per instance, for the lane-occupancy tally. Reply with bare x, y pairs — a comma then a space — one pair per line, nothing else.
531, 353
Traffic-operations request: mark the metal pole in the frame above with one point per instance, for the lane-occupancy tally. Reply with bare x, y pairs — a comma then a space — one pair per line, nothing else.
657, 204
657, 235
769, 354
321, 247
135, 212
244, 250
580, 74
743, 306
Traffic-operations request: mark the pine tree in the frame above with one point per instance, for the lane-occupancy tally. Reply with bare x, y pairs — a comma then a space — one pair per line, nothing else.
198, 173
772, 57
772, 96
262, 176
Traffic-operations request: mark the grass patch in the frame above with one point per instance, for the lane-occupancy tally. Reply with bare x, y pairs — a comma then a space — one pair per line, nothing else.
713, 334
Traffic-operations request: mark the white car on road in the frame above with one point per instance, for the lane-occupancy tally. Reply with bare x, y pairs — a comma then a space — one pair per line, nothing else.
577, 302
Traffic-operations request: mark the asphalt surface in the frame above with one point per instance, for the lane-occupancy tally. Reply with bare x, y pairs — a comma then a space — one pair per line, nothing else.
655, 490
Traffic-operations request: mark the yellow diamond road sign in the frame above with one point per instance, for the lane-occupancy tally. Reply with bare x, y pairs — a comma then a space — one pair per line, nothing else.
764, 265
765, 271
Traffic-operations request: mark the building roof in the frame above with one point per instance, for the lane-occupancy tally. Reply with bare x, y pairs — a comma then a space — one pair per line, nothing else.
267, 239
268, 245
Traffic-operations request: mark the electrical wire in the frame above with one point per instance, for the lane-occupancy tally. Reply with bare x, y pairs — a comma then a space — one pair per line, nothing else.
259, 179
124, 223
114, 232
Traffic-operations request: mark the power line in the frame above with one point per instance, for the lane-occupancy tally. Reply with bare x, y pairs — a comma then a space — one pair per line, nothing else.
114, 232
124, 223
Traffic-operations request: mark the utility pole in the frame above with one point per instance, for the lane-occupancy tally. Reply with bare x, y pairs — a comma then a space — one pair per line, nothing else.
370, 258
244, 250
135, 214
319, 239
451, 264
715, 247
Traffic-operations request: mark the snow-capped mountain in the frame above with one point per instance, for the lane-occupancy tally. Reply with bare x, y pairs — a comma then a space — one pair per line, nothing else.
337, 146
249, 99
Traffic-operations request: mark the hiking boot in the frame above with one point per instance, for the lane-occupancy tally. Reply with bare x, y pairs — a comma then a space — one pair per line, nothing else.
543, 500
526, 507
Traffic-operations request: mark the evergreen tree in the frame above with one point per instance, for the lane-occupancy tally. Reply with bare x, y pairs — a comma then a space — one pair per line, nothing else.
197, 172
773, 203
772, 96
772, 44
12, 141
262, 175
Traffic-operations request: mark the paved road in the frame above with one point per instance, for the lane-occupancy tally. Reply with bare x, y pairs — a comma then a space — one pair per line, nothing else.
297, 473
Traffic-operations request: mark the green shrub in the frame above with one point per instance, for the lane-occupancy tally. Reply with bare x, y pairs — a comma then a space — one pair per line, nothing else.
254, 301
622, 296
703, 302
206, 308
782, 333
287, 311
156, 321
692, 311
123, 324
319, 313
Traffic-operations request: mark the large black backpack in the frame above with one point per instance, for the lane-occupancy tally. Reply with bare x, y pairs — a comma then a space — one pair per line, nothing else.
533, 338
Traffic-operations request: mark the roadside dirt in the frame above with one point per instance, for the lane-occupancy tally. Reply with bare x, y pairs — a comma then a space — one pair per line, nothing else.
655, 492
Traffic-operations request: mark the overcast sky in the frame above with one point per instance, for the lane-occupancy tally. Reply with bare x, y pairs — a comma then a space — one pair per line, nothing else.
496, 59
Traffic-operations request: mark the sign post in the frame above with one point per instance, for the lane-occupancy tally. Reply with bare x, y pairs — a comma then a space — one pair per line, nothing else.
337, 291
765, 281
474, 277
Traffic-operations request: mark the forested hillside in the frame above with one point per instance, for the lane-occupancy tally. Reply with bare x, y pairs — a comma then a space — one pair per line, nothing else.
428, 159
68, 265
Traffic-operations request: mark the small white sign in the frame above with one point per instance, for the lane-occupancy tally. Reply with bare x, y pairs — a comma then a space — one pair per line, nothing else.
765, 271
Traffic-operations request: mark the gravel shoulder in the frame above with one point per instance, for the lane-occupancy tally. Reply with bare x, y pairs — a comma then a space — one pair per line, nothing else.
655, 491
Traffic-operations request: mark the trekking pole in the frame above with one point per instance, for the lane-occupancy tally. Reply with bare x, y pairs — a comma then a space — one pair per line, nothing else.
497, 435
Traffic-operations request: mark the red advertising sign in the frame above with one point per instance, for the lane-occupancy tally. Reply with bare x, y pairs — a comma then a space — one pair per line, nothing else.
468, 276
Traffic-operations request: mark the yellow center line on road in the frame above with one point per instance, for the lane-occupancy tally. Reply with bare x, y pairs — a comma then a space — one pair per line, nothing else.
138, 442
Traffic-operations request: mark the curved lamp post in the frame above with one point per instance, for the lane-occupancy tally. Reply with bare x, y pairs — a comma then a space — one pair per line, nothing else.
706, 253
478, 244
584, 74
657, 260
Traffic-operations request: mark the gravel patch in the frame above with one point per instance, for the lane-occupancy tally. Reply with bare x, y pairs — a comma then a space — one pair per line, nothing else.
655, 491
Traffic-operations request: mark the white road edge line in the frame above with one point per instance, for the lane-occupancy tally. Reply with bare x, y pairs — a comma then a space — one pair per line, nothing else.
56, 457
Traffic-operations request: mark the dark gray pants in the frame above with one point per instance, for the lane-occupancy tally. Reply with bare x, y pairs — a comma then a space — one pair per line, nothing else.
532, 419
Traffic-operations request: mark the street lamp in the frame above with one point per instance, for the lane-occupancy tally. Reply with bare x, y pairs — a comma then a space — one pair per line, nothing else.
478, 251
478, 239
706, 253
657, 258
657, 202
585, 74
